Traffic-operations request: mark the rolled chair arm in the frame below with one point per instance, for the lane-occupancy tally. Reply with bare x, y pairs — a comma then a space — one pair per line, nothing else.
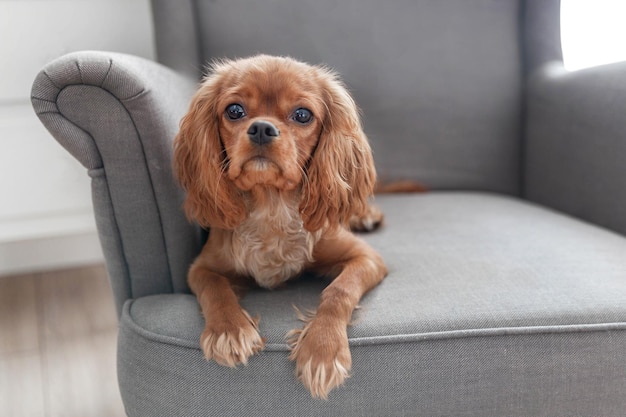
576, 142
118, 114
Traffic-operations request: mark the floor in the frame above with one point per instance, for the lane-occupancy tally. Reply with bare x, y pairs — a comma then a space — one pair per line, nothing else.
57, 345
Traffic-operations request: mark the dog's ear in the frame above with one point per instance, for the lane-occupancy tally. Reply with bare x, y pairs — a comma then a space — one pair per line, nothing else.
199, 162
341, 173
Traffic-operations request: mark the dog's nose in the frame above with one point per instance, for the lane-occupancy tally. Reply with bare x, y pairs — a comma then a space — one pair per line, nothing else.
262, 132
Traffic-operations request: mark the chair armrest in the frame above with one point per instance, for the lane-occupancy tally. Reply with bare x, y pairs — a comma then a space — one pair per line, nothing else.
576, 142
118, 114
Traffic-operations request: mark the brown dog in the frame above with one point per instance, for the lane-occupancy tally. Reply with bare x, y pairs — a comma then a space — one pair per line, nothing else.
274, 160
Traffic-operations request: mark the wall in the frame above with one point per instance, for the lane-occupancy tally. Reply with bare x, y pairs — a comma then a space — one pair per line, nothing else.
592, 32
46, 218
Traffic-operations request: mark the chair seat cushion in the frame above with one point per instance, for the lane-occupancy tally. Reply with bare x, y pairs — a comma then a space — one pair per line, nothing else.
492, 306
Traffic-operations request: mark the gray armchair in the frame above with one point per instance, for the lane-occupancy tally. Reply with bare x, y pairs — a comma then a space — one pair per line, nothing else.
507, 287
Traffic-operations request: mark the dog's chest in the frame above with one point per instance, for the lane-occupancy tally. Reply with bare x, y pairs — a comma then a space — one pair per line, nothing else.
272, 245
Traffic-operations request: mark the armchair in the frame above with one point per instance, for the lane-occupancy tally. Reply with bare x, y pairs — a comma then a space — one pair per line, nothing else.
507, 285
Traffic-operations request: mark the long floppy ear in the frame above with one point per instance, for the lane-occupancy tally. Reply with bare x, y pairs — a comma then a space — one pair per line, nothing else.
341, 173
200, 162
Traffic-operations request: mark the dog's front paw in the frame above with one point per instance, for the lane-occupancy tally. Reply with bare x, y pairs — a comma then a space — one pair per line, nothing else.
322, 356
231, 340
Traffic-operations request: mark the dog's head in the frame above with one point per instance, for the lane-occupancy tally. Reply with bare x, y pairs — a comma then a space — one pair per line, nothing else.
273, 122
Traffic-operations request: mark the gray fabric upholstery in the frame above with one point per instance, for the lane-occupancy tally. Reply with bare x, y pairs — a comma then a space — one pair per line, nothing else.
576, 142
493, 307
460, 63
456, 68
177, 43
541, 33
117, 115
450, 56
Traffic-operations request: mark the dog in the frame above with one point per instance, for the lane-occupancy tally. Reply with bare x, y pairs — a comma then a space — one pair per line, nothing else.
274, 161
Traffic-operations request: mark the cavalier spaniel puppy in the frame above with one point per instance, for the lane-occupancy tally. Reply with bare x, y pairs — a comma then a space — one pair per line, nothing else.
275, 162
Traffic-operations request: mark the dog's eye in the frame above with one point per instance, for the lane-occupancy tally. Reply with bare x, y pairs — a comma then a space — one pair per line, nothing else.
302, 115
235, 111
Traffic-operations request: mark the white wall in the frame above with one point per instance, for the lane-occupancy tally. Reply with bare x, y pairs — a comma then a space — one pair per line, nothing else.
592, 32
46, 218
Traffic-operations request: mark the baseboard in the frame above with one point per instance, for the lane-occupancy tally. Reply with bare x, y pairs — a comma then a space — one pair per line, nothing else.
49, 253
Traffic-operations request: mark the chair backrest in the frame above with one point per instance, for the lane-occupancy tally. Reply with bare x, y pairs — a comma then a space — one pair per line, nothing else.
440, 83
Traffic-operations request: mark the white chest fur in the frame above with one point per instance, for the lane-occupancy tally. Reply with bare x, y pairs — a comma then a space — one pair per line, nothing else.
272, 245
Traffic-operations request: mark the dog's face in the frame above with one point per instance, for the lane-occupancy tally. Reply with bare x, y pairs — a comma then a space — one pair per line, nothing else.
270, 120
273, 122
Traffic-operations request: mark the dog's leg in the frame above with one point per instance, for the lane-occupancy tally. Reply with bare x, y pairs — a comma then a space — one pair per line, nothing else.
320, 349
230, 335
